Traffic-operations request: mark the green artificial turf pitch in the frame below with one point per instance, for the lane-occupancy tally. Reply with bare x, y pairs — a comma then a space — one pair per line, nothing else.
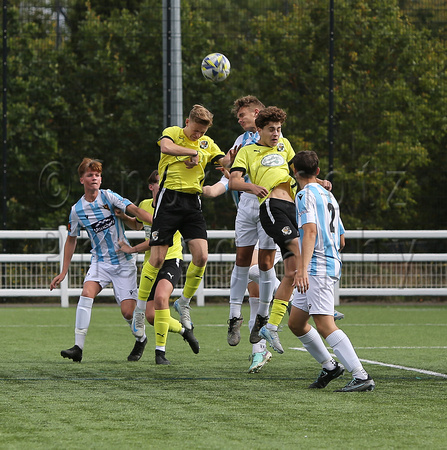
209, 400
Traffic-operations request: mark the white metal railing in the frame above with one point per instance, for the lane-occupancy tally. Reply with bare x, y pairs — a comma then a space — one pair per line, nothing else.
364, 274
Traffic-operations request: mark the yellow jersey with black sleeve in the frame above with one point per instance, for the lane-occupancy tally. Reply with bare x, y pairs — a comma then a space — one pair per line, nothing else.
267, 166
175, 251
174, 174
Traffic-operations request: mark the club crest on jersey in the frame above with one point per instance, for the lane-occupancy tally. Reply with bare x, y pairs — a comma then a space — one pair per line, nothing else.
286, 231
274, 160
280, 146
105, 207
204, 145
155, 235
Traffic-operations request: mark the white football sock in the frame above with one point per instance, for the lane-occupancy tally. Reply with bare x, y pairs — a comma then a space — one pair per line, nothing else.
235, 310
141, 305
313, 343
238, 286
259, 347
83, 316
266, 284
345, 352
254, 304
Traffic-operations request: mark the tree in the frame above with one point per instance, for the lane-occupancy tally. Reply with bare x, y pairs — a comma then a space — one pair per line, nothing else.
390, 99
99, 93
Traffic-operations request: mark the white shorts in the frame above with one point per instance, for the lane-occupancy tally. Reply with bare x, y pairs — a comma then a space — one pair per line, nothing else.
319, 299
248, 228
278, 256
122, 276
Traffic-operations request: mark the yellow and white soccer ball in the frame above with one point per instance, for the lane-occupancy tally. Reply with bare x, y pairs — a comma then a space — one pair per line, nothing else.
216, 67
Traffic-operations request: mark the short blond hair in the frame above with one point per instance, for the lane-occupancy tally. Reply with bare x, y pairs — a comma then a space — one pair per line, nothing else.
200, 114
89, 164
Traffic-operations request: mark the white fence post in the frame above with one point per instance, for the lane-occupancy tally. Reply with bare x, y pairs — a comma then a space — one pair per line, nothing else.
200, 295
64, 284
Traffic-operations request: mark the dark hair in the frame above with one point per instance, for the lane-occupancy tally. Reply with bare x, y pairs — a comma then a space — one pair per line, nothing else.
270, 114
306, 163
152, 178
243, 102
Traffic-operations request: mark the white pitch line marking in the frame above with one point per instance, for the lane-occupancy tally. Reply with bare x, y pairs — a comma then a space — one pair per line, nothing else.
411, 369
394, 366
403, 348
394, 324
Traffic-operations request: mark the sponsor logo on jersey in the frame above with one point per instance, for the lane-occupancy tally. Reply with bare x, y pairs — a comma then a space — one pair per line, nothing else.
280, 146
286, 231
103, 224
105, 207
204, 145
274, 160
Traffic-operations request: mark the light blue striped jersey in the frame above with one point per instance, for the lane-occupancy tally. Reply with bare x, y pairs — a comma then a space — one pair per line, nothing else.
103, 227
246, 138
317, 205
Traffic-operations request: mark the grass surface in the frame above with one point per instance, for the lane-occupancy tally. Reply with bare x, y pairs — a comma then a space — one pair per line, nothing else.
208, 400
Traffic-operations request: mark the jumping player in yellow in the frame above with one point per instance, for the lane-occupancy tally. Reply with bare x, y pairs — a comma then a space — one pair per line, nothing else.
157, 298
185, 152
267, 164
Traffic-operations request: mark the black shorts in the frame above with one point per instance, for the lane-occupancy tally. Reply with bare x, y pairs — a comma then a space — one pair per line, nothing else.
177, 211
171, 271
278, 218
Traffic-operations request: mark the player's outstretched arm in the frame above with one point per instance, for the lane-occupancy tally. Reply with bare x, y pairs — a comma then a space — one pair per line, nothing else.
227, 160
136, 211
342, 242
69, 248
214, 190
325, 183
131, 222
237, 183
307, 249
126, 248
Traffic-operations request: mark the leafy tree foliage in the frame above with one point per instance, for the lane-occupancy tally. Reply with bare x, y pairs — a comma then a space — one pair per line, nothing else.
100, 94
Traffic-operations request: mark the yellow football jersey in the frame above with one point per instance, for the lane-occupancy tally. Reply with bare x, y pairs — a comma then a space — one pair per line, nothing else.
257, 162
175, 250
173, 173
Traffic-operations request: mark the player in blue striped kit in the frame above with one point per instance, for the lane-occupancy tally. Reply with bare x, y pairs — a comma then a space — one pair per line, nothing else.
319, 268
95, 212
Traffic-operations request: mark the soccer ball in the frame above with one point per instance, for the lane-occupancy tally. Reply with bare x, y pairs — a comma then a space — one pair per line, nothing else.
215, 67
